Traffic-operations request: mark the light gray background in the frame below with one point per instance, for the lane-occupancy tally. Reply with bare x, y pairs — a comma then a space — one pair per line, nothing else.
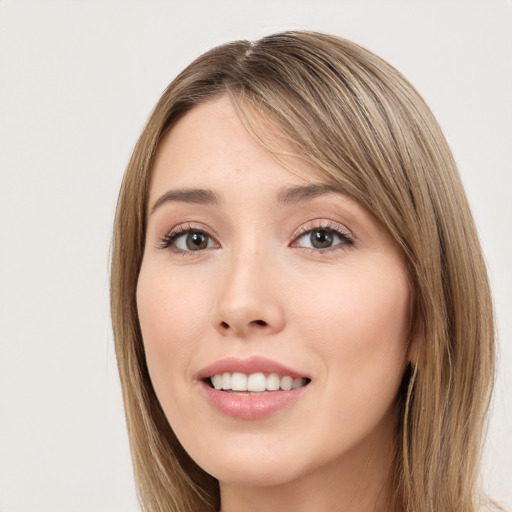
77, 81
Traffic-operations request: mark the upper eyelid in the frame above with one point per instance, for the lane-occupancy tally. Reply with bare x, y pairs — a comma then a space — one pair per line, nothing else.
187, 227
181, 229
322, 224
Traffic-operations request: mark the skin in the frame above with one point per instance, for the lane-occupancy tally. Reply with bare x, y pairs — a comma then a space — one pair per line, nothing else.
338, 315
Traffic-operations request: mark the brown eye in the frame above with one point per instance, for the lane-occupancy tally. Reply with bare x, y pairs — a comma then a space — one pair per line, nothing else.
189, 240
321, 239
196, 241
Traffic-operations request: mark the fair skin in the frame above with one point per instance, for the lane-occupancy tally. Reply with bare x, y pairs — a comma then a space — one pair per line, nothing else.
250, 267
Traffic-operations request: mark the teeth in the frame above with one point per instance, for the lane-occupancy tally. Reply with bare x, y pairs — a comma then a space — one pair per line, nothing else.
297, 383
255, 382
217, 381
239, 382
226, 381
286, 383
273, 382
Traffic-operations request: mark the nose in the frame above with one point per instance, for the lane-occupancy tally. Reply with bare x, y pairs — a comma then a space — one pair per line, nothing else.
250, 298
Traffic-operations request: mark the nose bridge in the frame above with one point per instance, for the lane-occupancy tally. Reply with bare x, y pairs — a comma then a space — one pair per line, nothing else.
248, 300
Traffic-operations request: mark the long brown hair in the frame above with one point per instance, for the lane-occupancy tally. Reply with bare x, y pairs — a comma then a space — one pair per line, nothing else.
348, 113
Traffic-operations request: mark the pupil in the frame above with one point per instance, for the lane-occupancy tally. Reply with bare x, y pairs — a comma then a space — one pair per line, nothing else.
321, 239
196, 241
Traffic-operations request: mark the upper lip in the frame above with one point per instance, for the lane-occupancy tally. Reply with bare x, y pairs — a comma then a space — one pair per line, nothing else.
249, 365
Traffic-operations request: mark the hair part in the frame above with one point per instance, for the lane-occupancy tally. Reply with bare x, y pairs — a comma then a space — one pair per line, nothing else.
344, 111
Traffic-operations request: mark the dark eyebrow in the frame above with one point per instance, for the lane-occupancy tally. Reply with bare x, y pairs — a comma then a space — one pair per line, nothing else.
287, 196
297, 194
187, 195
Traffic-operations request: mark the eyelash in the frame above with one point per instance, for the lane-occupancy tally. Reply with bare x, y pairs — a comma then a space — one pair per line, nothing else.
346, 239
169, 239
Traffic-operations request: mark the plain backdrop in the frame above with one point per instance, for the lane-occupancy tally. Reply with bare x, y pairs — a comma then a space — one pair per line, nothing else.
77, 82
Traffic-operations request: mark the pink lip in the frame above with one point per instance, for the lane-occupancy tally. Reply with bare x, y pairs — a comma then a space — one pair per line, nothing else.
245, 406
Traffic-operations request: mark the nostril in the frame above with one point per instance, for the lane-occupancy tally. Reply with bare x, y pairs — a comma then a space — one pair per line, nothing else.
225, 327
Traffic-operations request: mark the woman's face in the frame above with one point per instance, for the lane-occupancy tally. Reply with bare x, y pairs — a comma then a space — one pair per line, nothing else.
257, 280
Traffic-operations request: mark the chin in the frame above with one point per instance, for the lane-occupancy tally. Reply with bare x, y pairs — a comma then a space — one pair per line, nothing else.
268, 462
249, 476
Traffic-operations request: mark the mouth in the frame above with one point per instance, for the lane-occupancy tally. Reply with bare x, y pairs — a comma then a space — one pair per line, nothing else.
251, 388
254, 383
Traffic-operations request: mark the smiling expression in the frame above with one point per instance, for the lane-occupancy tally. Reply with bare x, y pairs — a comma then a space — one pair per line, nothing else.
274, 310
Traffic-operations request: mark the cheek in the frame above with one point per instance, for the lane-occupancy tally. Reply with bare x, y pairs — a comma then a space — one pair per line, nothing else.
354, 303
170, 324
359, 325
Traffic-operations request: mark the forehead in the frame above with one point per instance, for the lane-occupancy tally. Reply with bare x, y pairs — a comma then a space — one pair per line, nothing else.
210, 144
209, 158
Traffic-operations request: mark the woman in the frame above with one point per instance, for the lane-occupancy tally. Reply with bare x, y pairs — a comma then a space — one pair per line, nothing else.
301, 311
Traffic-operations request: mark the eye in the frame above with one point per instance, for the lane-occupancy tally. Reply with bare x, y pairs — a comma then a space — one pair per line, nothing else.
323, 238
187, 240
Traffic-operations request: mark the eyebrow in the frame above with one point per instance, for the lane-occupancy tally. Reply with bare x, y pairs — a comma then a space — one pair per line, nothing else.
296, 195
187, 195
287, 196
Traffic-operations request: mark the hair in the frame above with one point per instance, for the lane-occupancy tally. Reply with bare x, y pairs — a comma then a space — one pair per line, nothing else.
342, 110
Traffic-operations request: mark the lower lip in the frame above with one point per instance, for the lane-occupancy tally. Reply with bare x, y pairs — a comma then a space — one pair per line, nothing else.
251, 407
